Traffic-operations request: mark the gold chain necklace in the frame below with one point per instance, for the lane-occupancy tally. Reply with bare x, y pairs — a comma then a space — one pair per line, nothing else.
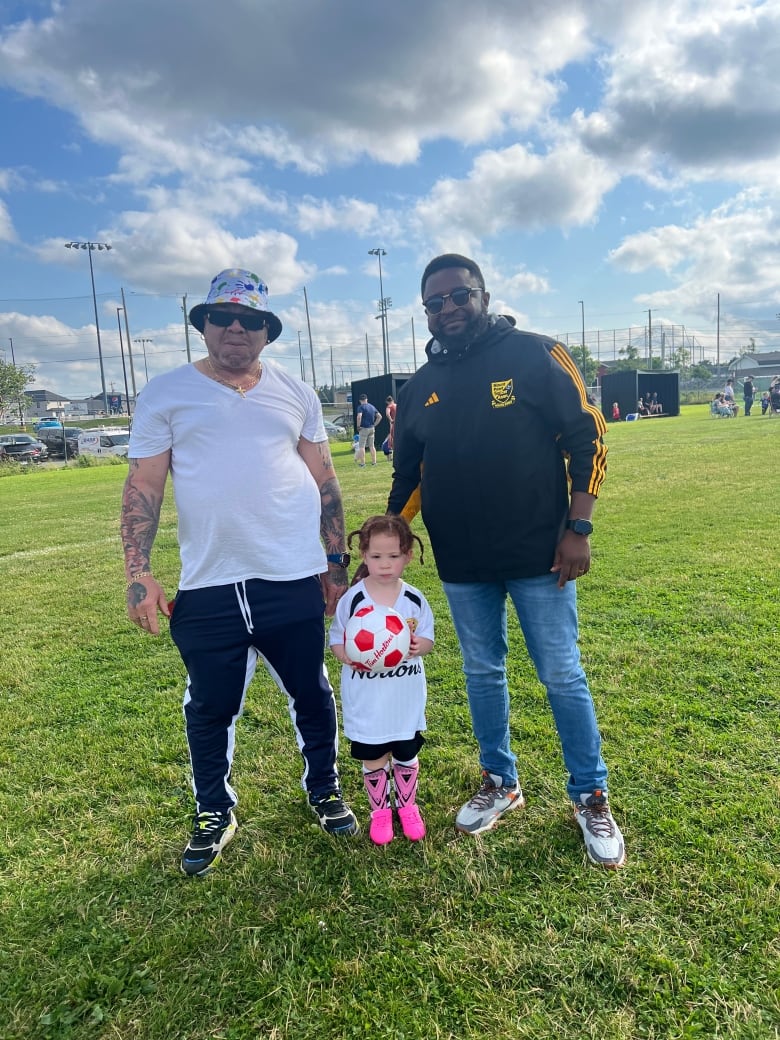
234, 386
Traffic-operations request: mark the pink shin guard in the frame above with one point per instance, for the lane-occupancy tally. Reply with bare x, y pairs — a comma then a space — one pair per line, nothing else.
377, 784
405, 778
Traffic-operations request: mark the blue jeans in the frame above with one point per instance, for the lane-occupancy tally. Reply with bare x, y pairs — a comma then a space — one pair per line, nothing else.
548, 619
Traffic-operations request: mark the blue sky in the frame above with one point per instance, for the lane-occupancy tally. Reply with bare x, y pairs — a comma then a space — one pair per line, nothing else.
625, 158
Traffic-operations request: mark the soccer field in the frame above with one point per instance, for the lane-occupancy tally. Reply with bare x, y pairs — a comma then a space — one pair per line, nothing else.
514, 935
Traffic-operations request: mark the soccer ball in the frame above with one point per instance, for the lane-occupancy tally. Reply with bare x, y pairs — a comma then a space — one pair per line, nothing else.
377, 638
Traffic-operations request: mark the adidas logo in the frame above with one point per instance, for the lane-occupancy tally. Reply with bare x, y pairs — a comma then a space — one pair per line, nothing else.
433, 399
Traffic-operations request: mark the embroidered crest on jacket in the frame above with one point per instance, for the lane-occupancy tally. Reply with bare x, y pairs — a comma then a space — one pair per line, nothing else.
502, 393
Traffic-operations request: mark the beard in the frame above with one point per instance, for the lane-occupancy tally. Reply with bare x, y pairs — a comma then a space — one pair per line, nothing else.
465, 334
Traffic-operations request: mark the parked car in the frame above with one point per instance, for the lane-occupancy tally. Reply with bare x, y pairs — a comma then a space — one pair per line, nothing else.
333, 430
57, 439
45, 423
21, 447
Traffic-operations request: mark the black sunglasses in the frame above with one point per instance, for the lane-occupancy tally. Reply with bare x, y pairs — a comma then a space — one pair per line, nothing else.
460, 297
248, 322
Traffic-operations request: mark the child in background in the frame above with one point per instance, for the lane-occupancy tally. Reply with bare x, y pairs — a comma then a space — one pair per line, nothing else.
383, 714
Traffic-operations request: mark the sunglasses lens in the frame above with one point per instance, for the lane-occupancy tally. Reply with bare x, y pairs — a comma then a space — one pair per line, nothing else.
248, 322
459, 297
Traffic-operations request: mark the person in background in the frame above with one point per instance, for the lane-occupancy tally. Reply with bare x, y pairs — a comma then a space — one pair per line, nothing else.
728, 397
615, 412
720, 406
384, 714
748, 393
262, 545
508, 510
368, 418
390, 407
765, 402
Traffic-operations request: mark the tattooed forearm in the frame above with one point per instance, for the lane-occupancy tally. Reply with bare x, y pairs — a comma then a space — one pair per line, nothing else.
325, 457
141, 505
332, 516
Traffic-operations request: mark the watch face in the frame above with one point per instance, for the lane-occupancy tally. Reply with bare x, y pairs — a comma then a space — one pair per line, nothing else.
581, 526
341, 558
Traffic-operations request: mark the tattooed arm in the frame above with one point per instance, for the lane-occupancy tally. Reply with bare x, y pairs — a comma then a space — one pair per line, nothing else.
141, 504
320, 465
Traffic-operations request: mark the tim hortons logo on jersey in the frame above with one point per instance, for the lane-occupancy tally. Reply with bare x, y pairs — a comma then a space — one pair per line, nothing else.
502, 393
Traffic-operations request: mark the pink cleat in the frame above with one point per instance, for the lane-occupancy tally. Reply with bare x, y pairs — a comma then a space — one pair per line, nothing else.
411, 822
381, 830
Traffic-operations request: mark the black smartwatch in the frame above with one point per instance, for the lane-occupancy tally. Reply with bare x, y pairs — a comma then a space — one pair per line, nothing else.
342, 559
580, 526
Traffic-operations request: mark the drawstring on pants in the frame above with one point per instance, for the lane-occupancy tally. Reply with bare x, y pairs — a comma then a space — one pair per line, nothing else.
243, 605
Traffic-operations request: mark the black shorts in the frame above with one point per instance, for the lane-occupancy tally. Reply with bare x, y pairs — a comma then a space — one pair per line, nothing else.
402, 750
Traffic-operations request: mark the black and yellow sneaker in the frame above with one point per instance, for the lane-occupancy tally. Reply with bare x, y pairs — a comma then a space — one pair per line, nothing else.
333, 813
211, 832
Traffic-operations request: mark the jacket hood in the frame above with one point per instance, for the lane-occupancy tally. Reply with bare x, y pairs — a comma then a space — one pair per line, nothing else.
499, 325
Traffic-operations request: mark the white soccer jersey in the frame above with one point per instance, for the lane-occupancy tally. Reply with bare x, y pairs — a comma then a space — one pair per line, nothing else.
379, 708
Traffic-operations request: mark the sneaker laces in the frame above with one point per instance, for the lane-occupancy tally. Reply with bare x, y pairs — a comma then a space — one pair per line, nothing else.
331, 800
207, 823
598, 815
483, 799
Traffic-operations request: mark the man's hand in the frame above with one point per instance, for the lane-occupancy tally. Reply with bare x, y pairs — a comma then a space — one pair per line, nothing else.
572, 557
335, 582
144, 598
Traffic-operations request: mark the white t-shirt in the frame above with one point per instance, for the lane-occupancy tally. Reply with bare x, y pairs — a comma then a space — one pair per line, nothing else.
378, 708
247, 505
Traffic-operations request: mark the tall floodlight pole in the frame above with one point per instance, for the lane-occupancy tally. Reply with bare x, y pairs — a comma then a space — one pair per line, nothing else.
186, 328
379, 253
311, 344
122, 352
582, 309
89, 246
143, 343
129, 344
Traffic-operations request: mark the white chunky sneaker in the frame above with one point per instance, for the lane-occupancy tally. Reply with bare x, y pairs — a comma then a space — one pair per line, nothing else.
493, 799
603, 840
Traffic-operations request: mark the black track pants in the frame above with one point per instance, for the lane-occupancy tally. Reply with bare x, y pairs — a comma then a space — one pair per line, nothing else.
220, 633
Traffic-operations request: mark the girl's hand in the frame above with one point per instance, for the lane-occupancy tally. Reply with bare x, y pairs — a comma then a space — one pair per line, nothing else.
419, 647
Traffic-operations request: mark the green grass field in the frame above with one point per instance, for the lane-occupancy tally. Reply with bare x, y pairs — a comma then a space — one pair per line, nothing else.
298, 936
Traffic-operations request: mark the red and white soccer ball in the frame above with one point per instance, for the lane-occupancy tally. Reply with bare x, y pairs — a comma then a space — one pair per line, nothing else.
377, 638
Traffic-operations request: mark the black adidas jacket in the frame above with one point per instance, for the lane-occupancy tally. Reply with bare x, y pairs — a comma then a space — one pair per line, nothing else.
482, 439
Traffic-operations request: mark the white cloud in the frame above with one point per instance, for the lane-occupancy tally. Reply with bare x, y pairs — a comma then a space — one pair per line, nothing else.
169, 250
731, 250
454, 70
517, 188
689, 85
315, 215
7, 232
